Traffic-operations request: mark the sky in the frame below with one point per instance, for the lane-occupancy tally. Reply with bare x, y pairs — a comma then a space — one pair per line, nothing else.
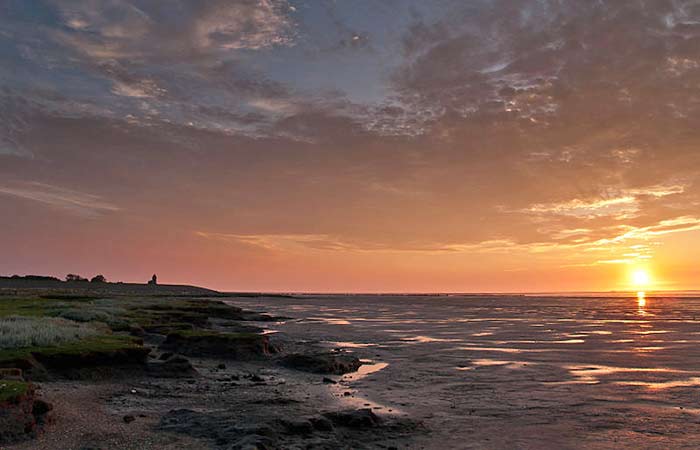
352, 145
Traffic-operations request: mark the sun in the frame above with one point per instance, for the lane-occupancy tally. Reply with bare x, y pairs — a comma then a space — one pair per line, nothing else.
641, 278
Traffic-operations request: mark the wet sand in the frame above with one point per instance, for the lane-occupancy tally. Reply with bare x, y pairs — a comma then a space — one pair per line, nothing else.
517, 372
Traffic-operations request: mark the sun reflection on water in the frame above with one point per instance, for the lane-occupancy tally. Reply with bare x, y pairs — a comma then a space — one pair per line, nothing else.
641, 303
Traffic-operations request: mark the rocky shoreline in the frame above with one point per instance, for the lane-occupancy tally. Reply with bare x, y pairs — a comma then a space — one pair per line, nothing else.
190, 373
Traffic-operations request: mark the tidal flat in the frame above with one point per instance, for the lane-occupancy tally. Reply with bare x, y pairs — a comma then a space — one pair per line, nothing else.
529, 372
365, 371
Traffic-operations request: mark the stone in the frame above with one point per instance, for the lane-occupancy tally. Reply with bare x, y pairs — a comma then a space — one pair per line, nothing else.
354, 418
176, 366
321, 423
237, 346
300, 426
325, 363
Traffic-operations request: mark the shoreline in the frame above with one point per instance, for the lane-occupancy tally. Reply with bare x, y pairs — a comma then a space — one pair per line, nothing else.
248, 401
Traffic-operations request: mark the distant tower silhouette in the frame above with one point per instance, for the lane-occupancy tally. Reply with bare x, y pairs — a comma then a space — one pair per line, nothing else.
154, 280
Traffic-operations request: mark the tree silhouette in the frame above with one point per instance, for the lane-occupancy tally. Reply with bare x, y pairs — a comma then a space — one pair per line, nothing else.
74, 277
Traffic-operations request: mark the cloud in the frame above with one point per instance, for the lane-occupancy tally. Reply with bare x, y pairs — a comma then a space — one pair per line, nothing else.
626, 203
79, 203
119, 29
533, 127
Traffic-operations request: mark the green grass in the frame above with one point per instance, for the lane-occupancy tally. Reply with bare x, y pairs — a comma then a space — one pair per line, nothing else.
96, 344
24, 307
10, 390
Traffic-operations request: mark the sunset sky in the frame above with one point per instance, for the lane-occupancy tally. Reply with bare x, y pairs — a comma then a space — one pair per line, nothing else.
352, 145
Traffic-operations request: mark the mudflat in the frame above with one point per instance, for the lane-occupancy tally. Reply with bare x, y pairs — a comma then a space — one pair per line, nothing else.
503, 372
325, 371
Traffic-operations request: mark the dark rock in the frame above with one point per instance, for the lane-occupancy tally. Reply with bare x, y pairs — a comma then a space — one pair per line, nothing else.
221, 366
220, 428
301, 426
254, 442
98, 363
12, 373
175, 367
255, 378
354, 418
137, 331
329, 380
128, 418
40, 410
165, 356
241, 346
321, 423
19, 420
327, 363
30, 368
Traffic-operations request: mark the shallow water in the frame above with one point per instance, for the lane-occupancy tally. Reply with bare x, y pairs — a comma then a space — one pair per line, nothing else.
520, 372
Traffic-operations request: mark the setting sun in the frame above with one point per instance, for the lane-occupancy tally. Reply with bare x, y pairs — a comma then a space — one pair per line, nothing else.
641, 278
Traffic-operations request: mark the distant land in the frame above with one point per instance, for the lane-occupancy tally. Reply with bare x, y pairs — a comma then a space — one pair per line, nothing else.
46, 283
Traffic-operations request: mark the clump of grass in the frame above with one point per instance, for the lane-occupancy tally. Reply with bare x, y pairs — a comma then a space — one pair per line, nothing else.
10, 390
91, 344
23, 306
20, 332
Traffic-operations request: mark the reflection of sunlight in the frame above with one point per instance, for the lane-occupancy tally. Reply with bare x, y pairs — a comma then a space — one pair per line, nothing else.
592, 374
641, 303
694, 381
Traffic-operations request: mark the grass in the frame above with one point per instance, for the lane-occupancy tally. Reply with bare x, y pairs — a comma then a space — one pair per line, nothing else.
94, 344
19, 332
24, 306
10, 390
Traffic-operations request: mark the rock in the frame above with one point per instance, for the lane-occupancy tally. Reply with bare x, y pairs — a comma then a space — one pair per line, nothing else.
326, 363
321, 423
166, 355
354, 418
136, 330
255, 378
98, 362
174, 367
40, 409
220, 428
30, 368
301, 426
221, 366
254, 442
21, 413
11, 374
128, 418
240, 346
329, 380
